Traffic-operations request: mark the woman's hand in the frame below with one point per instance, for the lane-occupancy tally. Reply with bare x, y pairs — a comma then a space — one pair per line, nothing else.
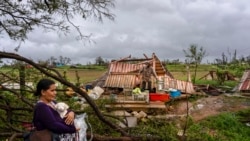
78, 129
70, 118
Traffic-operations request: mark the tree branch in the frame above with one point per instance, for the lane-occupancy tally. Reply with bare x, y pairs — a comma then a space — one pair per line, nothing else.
65, 82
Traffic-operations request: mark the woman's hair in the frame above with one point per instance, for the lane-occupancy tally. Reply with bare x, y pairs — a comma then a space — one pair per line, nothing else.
43, 84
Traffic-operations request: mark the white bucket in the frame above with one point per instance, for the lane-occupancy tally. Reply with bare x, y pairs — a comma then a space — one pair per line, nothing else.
160, 84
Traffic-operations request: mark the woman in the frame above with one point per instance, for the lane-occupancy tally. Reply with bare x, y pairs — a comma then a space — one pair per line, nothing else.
45, 116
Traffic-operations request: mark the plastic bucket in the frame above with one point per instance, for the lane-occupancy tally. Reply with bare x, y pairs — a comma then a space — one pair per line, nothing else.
175, 94
160, 84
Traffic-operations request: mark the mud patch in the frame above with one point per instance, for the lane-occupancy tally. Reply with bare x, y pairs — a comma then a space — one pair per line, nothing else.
210, 106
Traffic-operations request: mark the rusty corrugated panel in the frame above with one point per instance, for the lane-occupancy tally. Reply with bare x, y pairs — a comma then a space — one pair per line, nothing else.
112, 67
244, 82
124, 67
245, 85
122, 74
128, 81
118, 67
184, 86
135, 67
120, 81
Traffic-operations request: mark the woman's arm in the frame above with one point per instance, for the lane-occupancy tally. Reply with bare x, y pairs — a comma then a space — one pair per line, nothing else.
50, 119
70, 116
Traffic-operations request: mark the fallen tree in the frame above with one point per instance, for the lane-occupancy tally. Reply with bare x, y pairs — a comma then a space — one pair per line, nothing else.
57, 76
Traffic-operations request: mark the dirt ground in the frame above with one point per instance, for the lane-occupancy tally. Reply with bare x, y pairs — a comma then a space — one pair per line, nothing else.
210, 105
201, 107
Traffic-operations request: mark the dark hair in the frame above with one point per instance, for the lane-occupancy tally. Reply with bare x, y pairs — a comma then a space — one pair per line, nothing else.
43, 84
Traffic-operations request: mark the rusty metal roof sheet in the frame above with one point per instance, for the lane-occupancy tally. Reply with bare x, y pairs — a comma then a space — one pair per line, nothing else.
122, 74
128, 81
120, 81
121, 67
183, 86
245, 82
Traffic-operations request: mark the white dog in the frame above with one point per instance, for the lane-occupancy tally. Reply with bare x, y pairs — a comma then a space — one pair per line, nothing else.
61, 108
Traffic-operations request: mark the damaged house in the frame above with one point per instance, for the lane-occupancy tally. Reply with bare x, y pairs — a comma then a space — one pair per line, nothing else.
123, 73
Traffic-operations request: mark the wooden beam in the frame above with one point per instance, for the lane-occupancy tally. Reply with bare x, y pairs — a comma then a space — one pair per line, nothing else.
132, 60
142, 105
124, 73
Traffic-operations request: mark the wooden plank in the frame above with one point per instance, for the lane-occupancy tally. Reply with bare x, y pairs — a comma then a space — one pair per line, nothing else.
151, 105
129, 102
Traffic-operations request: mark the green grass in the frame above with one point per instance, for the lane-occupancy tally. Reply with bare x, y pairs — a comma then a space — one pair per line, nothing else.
85, 75
224, 127
182, 67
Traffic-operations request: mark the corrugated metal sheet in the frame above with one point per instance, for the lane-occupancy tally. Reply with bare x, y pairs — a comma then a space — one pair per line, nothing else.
128, 81
245, 82
120, 81
245, 85
184, 86
121, 67
123, 75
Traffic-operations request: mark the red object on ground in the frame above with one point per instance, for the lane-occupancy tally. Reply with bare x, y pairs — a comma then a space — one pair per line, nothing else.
27, 125
159, 97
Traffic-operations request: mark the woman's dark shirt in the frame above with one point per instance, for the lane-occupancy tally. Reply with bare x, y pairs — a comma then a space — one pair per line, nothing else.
45, 117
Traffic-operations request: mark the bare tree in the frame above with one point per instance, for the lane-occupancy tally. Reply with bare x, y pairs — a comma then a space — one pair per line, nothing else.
19, 17
195, 55
52, 61
99, 61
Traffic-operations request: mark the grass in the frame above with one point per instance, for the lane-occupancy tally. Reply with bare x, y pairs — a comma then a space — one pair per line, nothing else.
182, 67
227, 126
224, 127
180, 72
85, 75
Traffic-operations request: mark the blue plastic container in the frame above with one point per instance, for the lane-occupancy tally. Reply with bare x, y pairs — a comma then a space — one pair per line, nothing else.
174, 94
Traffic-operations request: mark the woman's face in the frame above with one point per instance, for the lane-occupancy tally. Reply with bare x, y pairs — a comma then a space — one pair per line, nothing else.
50, 94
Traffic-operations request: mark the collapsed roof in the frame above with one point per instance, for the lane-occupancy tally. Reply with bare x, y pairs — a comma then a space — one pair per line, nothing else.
123, 73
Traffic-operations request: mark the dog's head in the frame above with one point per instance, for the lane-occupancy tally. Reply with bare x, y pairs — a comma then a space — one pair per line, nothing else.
61, 106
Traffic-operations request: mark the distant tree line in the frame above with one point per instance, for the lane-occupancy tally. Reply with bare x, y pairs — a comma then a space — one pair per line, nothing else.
226, 58
60, 61
230, 58
228, 62
101, 62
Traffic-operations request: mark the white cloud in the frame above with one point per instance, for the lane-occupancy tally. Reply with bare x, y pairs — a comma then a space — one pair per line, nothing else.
164, 27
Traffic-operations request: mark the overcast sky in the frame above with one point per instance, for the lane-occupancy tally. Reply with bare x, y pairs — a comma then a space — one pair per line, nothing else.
163, 27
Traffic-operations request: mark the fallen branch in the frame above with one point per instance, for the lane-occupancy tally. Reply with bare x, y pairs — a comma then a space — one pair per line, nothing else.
66, 83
